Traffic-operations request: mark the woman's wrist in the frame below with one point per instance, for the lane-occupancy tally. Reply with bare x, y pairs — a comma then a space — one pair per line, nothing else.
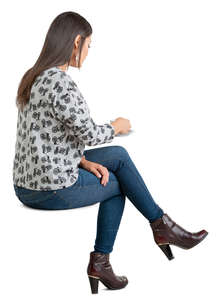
82, 161
115, 127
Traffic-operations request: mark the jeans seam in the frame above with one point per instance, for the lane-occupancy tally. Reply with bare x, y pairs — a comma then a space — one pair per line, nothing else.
112, 181
113, 158
147, 189
34, 201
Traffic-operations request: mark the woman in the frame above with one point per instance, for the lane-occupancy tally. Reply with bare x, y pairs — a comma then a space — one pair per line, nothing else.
53, 171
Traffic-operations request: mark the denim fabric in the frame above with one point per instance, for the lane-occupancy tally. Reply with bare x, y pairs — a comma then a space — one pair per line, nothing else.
124, 181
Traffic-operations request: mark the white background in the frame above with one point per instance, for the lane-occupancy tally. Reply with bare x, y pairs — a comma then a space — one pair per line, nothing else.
155, 63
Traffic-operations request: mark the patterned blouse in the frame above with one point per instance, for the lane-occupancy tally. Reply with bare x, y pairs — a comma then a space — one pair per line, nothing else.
52, 132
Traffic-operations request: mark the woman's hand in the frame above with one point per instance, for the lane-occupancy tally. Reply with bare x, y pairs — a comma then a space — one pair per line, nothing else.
121, 125
95, 168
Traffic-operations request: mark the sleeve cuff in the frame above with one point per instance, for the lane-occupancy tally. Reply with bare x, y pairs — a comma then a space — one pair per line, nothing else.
112, 130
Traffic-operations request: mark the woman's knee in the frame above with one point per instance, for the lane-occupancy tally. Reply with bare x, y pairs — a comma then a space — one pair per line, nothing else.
121, 152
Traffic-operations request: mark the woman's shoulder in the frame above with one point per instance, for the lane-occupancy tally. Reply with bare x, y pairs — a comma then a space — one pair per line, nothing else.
54, 73
54, 76
62, 77
55, 81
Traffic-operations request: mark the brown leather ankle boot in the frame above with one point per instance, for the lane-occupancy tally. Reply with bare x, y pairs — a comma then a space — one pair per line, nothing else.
99, 268
166, 232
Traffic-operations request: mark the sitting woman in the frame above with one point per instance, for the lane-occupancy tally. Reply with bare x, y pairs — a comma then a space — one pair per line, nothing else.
52, 170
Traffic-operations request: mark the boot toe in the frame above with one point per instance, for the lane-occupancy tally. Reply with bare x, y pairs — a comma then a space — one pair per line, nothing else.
123, 279
198, 237
203, 233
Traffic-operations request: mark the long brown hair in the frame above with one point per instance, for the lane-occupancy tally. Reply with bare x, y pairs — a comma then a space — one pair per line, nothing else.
56, 51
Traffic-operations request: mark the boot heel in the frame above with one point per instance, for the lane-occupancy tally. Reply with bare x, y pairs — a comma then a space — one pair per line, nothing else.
94, 284
166, 250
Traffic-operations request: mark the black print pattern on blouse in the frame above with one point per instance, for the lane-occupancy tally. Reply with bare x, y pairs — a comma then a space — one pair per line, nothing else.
52, 132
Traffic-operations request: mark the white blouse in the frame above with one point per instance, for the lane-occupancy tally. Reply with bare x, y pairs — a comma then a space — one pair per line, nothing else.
52, 132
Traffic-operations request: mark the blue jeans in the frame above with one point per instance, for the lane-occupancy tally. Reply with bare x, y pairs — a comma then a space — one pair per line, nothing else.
124, 180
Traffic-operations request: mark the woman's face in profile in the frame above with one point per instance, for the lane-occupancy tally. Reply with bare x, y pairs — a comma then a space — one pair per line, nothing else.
85, 48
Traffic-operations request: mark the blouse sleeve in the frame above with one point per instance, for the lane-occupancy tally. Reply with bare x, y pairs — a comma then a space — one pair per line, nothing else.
70, 108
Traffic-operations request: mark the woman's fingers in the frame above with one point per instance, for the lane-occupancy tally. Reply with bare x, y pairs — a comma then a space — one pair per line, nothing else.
95, 171
105, 174
101, 172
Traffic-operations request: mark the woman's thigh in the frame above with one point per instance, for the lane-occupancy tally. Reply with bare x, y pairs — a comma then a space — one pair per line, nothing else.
87, 190
109, 156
